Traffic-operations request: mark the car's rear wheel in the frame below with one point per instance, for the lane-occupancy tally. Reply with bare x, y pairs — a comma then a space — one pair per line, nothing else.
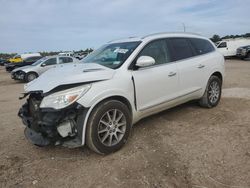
30, 76
212, 95
108, 127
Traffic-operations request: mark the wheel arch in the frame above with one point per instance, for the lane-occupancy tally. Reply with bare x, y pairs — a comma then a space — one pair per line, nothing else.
33, 72
218, 74
120, 98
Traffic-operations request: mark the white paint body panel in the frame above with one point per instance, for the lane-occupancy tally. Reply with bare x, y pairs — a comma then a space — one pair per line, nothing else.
153, 89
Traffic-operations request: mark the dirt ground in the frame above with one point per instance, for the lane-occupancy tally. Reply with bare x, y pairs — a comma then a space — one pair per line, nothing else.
186, 146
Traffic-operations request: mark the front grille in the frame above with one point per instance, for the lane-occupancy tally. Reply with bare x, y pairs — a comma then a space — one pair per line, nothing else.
239, 51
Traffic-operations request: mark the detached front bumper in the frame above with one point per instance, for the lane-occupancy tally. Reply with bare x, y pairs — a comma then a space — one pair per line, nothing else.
52, 127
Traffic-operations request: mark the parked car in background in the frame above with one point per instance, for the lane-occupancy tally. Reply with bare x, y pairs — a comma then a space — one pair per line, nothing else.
228, 47
20, 58
97, 102
79, 55
28, 61
2, 62
66, 54
244, 52
15, 59
31, 72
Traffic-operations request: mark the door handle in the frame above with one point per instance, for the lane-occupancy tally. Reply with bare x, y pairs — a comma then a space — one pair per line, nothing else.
200, 66
172, 74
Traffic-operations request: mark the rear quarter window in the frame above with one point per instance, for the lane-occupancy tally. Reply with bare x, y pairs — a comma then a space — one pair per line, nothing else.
201, 46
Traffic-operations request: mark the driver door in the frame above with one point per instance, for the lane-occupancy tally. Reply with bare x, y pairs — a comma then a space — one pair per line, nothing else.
46, 65
156, 84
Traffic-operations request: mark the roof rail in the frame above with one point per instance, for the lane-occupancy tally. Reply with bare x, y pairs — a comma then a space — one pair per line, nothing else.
161, 33
121, 39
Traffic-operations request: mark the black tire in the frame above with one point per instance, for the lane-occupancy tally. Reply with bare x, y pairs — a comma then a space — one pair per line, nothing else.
30, 76
247, 56
93, 135
206, 100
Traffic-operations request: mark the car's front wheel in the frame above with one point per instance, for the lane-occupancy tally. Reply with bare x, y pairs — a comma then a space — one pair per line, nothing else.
212, 95
248, 56
108, 127
30, 76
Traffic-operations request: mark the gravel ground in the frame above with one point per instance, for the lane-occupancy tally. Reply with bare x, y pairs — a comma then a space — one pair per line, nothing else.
186, 146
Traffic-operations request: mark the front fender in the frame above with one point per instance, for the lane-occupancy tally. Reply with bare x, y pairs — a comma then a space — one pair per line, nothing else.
99, 92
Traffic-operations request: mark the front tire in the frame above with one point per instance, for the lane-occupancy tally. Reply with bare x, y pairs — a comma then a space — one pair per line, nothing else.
30, 76
108, 127
247, 56
212, 95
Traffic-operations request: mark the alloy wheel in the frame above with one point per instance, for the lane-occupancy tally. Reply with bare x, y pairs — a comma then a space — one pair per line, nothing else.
31, 77
112, 127
214, 92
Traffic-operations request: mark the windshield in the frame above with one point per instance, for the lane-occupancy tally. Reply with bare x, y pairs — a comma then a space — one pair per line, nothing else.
112, 55
217, 43
39, 61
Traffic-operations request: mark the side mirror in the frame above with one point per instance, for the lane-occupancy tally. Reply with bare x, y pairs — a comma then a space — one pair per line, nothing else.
144, 61
43, 65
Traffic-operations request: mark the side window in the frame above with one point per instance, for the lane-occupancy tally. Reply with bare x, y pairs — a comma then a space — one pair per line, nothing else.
37, 58
29, 59
222, 45
157, 50
65, 60
51, 61
201, 46
181, 48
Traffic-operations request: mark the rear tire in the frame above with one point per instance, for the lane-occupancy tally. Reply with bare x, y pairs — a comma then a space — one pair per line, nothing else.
108, 127
30, 76
212, 94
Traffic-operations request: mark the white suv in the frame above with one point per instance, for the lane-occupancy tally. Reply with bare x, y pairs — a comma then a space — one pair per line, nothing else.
97, 101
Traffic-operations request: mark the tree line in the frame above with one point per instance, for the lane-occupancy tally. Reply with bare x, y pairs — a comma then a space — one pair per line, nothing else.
44, 53
216, 38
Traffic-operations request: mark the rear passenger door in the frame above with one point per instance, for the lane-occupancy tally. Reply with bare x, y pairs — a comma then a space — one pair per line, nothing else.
46, 65
191, 68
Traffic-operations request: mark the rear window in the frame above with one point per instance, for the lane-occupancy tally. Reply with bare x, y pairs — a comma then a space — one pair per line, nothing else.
182, 48
201, 46
65, 60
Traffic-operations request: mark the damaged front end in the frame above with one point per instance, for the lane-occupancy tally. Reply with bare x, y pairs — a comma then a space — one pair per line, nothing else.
48, 126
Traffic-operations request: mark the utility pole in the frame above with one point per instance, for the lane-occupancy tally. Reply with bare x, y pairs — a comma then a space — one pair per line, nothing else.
184, 27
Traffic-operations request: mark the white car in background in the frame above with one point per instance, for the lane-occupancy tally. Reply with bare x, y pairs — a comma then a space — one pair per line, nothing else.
66, 54
31, 72
97, 102
228, 47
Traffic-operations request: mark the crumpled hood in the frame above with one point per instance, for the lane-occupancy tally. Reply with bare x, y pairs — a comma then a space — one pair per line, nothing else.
69, 74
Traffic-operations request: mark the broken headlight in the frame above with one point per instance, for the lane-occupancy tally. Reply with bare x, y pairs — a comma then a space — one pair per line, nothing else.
64, 98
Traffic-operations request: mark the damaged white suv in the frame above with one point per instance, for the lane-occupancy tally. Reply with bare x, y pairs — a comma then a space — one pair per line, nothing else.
97, 101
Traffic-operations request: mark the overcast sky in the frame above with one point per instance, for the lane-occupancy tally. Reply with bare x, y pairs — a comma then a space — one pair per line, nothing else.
47, 25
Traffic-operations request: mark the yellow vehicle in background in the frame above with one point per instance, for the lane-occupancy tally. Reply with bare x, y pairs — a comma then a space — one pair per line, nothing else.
15, 59
22, 57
